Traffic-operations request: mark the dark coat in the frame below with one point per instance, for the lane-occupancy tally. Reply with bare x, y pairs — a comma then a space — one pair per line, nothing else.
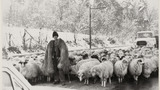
64, 62
49, 64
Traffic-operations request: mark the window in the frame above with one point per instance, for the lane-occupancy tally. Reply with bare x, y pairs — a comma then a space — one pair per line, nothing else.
17, 85
6, 81
145, 35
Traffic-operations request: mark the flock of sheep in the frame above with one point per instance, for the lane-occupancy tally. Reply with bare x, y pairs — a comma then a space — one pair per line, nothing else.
106, 64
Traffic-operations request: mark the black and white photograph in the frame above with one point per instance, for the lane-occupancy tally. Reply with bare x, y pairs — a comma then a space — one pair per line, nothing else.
80, 44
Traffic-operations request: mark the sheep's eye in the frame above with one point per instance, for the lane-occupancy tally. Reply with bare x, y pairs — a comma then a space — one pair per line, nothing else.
139, 60
20, 62
25, 63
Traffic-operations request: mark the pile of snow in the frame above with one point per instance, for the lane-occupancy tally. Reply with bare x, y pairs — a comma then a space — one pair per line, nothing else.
46, 35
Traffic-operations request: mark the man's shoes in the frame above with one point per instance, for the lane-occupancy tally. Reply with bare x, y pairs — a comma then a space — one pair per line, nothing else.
56, 82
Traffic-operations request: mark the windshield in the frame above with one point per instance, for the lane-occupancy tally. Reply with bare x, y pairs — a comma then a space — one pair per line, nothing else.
145, 35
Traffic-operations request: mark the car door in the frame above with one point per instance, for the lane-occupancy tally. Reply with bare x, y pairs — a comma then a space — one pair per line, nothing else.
11, 82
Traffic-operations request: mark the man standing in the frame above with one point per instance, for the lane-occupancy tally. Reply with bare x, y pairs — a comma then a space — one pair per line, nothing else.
59, 74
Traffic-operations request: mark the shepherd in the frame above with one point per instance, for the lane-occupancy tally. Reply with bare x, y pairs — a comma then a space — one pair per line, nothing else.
61, 60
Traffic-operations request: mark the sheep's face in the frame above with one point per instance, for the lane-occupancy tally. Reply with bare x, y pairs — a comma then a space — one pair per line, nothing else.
93, 72
112, 56
23, 63
125, 62
156, 52
80, 76
103, 59
127, 53
34, 57
121, 53
147, 73
128, 58
146, 70
140, 62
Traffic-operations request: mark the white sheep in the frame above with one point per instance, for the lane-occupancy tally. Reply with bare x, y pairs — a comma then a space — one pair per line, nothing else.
30, 70
39, 60
120, 69
16, 65
75, 68
104, 70
150, 65
84, 70
113, 58
15, 62
135, 67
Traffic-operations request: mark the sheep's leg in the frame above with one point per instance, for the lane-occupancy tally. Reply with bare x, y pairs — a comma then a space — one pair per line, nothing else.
32, 80
87, 81
104, 83
95, 79
48, 79
35, 80
135, 77
69, 78
40, 78
119, 79
109, 80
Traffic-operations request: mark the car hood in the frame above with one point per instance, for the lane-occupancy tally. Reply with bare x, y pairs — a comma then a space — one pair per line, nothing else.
49, 88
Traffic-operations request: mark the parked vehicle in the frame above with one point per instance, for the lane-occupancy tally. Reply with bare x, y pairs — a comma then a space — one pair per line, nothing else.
14, 80
146, 38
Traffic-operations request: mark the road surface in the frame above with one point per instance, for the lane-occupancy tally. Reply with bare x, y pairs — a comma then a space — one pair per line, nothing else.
129, 84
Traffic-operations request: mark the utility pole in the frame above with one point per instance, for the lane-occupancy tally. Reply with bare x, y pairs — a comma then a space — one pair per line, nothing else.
90, 38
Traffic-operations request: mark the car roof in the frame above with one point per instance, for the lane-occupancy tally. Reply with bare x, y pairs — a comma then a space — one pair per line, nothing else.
144, 31
9, 66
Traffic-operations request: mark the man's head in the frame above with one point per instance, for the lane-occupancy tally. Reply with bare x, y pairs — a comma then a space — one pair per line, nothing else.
55, 35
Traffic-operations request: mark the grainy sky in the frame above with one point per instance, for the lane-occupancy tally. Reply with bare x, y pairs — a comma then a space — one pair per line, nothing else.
151, 4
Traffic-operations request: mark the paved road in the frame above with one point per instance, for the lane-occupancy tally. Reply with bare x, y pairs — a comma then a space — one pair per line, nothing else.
129, 84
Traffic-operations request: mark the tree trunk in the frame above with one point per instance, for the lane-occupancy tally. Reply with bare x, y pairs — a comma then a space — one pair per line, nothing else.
24, 41
75, 40
10, 36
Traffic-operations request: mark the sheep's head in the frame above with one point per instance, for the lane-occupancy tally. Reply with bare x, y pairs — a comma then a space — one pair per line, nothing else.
93, 71
23, 63
146, 70
112, 55
128, 58
120, 53
140, 61
103, 59
80, 75
127, 53
125, 62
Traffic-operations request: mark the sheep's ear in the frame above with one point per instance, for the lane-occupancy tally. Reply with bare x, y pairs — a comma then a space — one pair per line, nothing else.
124, 61
14, 64
103, 59
139, 60
20, 62
25, 63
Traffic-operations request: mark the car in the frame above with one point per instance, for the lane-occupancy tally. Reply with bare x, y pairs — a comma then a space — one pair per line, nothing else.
12, 79
145, 38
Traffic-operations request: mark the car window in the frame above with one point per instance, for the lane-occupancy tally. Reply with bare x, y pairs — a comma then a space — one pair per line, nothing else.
145, 35
7, 84
17, 85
